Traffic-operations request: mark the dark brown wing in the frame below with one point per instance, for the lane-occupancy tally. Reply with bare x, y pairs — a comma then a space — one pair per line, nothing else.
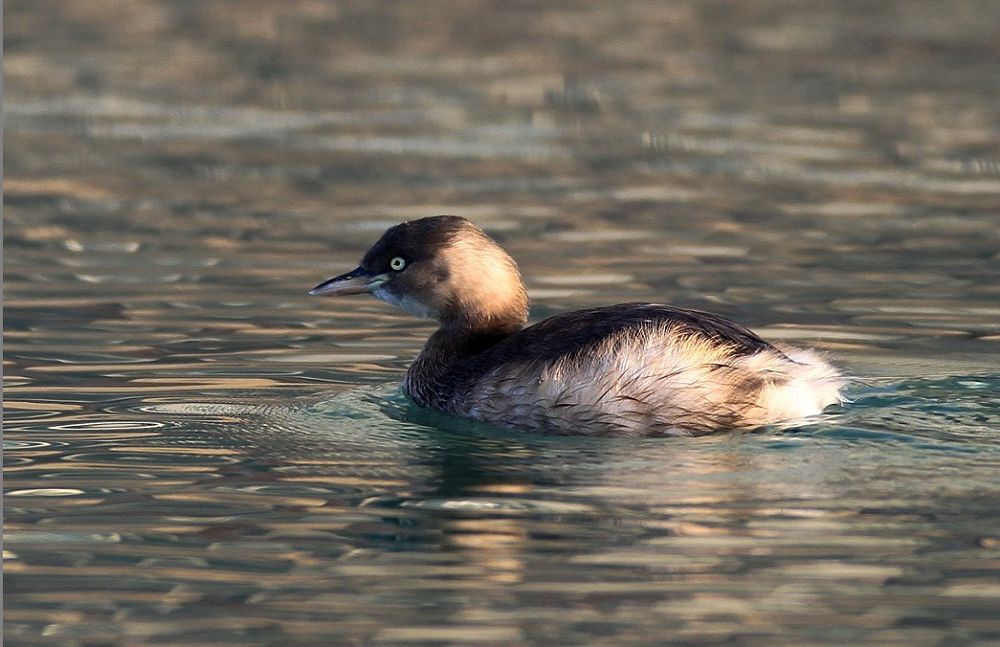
575, 333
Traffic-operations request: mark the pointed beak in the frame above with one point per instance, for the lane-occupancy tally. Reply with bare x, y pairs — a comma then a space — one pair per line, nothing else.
357, 281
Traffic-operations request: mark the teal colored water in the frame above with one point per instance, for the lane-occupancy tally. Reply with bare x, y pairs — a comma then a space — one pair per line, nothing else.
197, 453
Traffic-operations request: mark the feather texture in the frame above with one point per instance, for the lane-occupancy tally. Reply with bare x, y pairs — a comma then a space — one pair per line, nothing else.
631, 369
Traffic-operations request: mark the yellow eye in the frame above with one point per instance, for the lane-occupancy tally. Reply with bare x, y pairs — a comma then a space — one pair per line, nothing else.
397, 263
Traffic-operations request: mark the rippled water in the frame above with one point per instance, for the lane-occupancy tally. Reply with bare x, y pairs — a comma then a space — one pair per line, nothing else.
197, 453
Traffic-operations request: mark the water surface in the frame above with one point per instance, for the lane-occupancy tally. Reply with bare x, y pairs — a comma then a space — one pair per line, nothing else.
196, 453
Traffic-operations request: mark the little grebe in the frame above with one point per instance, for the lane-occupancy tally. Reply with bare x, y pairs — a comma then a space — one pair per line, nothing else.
636, 369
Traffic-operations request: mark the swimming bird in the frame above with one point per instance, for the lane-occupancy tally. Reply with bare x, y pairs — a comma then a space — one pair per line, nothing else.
633, 369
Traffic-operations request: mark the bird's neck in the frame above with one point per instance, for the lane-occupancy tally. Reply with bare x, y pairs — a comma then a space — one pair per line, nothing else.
444, 362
